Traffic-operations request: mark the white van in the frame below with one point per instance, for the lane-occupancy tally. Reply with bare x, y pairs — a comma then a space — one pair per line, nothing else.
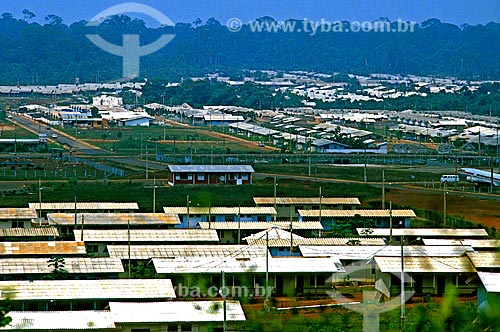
449, 179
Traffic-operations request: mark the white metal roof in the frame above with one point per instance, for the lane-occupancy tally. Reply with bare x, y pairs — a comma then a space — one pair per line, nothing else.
118, 289
147, 235
29, 232
362, 213
323, 241
218, 210
485, 259
273, 233
210, 168
424, 232
426, 264
259, 225
110, 219
43, 248
491, 281
181, 265
60, 320
178, 311
17, 213
69, 206
479, 243
72, 265
307, 200
367, 252
166, 251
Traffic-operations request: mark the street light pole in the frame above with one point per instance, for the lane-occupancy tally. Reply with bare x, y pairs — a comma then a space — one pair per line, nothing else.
275, 198
444, 205
154, 195
402, 280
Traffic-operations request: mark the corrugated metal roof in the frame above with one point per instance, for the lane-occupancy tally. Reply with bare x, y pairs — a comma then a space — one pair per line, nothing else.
491, 281
367, 252
69, 206
118, 289
180, 265
211, 168
60, 320
360, 213
484, 259
72, 265
166, 251
42, 248
426, 264
145, 235
114, 218
259, 225
481, 243
17, 213
324, 241
29, 232
244, 210
178, 311
307, 200
273, 233
427, 232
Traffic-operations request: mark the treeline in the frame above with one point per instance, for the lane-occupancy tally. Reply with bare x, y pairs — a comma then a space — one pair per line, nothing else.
55, 52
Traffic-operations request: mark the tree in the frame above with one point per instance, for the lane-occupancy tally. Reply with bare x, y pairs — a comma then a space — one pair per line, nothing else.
28, 16
57, 264
53, 19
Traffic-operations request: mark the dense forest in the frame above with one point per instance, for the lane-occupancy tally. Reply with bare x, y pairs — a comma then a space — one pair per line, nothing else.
54, 52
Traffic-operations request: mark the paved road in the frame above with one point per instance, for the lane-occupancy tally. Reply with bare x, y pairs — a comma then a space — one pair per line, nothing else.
80, 147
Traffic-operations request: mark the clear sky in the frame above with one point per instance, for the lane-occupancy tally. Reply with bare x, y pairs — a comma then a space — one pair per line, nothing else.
452, 11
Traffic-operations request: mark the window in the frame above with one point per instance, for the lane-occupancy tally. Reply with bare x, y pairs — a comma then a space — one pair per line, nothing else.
177, 176
190, 176
200, 177
244, 176
185, 328
18, 224
172, 328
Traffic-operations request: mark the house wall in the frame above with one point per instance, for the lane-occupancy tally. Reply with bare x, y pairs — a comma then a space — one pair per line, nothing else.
16, 223
210, 178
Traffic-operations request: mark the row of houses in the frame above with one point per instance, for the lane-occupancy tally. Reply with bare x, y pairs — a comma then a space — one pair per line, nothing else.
106, 249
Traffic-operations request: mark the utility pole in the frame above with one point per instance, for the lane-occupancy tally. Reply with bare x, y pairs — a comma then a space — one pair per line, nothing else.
402, 296
154, 195
275, 198
224, 326
266, 301
390, 222
128, 247
320, 197
239, 223
187, 203
444, 205
383, 189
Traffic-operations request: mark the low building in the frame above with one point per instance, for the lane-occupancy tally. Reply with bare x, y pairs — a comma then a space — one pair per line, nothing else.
67, 222
44, 208
192, 215
192, 316
42, 248
96, 240
331, 219
233, 231
77, 295
210, 174
74, 268
287, 207
287, 275
327, 146
16, 217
